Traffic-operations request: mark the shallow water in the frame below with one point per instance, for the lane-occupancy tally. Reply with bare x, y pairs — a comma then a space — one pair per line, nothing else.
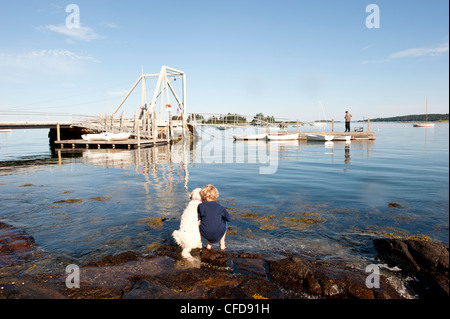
325, 199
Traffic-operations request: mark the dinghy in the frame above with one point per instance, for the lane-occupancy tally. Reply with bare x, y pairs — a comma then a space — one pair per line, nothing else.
261, 136
323, 138
283, 137
106, 137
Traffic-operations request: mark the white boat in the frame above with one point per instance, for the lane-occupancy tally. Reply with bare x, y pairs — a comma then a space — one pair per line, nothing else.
261, 136
94, 137
5, 130
423, 125
106, 137
426, 124
323, 138
117, 136
283, 137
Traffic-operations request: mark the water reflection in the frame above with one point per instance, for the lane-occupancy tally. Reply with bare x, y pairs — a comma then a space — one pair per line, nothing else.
347, 154
163, 164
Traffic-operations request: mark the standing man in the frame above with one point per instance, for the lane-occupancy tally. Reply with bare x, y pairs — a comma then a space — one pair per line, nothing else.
347, 118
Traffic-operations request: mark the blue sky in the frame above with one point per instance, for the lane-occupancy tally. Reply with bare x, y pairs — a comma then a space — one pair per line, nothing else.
276, 57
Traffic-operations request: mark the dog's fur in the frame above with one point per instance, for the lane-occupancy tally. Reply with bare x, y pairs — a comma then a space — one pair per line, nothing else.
188, 236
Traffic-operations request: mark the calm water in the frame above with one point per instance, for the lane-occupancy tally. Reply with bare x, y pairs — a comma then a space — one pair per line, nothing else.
329, 200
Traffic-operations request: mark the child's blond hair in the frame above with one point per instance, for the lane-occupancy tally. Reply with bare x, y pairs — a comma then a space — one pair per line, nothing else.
209, 193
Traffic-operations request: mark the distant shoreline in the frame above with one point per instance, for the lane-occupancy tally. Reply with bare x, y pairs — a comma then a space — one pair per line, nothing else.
412, 118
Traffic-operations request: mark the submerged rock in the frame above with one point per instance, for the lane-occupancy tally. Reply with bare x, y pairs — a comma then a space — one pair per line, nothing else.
16, 246
427, 260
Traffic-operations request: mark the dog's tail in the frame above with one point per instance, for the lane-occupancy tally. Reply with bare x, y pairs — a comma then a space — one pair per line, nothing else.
177, 236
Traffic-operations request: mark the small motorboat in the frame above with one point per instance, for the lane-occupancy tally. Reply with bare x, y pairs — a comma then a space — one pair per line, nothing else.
282, 137
94, 137
106, 137
317, 137
117, 136
261, 136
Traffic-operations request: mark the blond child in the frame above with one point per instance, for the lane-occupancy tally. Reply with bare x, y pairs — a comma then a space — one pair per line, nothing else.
212, 218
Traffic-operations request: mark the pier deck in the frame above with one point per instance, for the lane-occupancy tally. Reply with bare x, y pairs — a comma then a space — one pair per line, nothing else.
129, 143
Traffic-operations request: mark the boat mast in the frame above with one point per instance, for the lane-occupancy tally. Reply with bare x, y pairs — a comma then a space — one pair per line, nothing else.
426, 115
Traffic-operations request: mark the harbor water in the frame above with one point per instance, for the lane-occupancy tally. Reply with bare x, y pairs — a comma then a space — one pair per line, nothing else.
328, 200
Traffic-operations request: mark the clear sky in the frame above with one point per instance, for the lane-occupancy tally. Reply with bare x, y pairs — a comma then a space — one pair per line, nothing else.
247, 56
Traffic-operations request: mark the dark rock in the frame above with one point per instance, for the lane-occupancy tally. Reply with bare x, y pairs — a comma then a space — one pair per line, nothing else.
430, 256
294, 273
394, 205
250, 266
326, 281
16, 246
226, 275
114, 260
168, 250
428, 261
147, 289
218, 259
183, 280
252, 286
229, 291
87, 292
27, 287
396, 253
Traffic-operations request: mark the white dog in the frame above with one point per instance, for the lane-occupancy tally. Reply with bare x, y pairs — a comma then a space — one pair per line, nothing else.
188, 236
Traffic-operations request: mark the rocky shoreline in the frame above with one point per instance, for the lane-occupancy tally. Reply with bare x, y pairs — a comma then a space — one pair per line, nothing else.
225, 275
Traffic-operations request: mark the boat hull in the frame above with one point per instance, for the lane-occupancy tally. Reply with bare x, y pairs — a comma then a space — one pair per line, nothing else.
286, 137
320, 138
346, 138
106, 137
250, 137
423, 125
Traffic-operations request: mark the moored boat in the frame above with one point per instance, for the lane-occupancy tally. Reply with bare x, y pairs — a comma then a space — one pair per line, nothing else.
106, 137
261, 136
423, 125
317, 137
282, 137
426, 124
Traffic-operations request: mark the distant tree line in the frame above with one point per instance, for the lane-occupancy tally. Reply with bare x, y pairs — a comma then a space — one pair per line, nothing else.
259, 117
413, 118
232, 118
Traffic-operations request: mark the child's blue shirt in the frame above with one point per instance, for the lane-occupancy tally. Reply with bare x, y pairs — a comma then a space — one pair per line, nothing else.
213, 221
